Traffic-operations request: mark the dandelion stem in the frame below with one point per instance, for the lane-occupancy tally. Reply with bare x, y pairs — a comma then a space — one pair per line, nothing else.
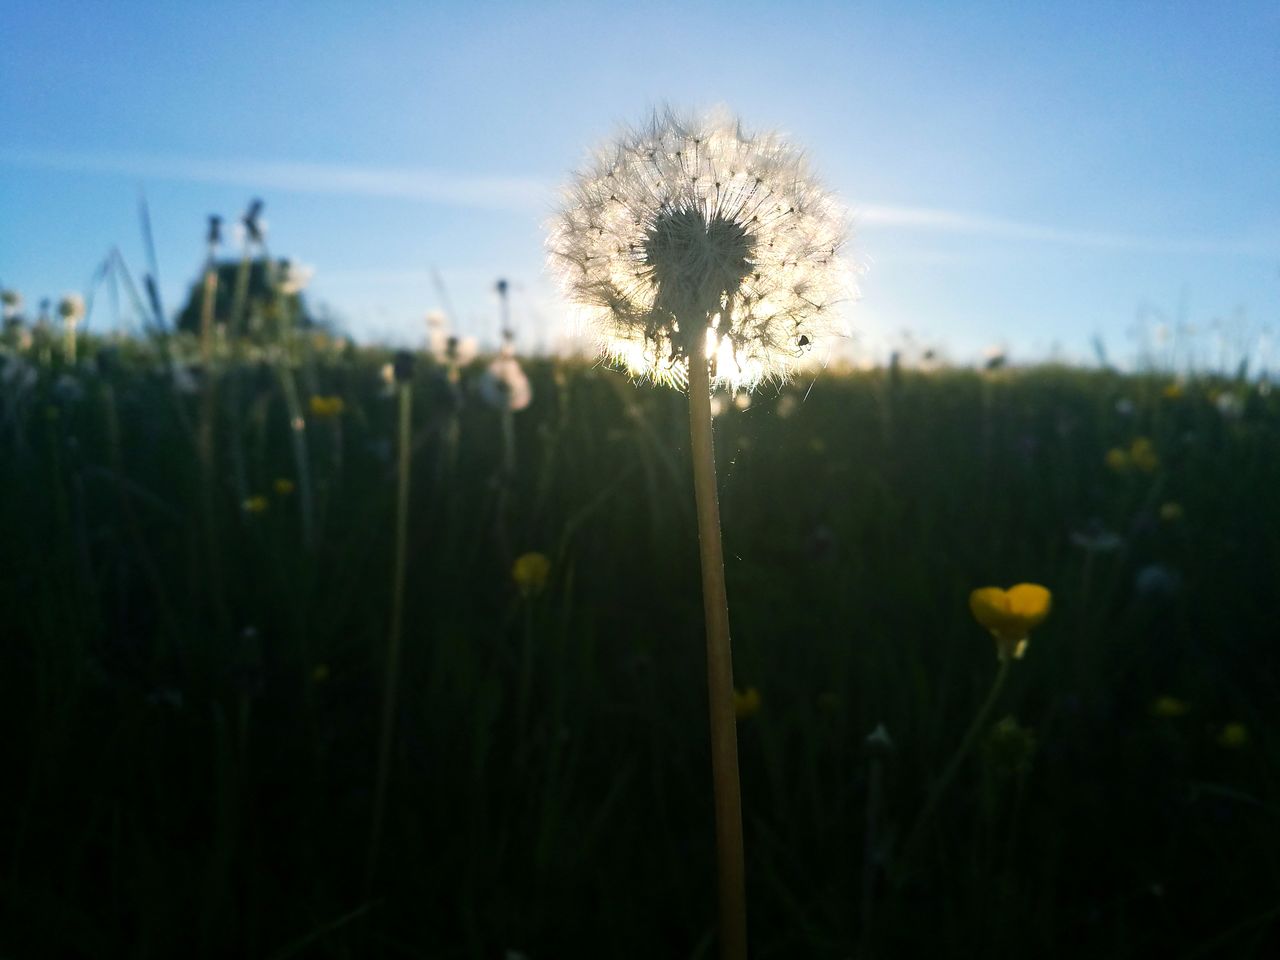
393, 641
724, 731
916, 837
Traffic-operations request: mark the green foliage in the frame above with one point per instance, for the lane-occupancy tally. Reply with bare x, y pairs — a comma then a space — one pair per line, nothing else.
247, 299
191, 717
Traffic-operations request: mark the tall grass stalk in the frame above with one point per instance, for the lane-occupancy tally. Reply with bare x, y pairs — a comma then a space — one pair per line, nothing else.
298, 440
391, 680
730, 857
204, 438
980, 719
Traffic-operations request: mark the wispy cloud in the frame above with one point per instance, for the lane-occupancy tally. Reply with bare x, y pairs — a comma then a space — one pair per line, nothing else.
532, 195
950, 221
522, 194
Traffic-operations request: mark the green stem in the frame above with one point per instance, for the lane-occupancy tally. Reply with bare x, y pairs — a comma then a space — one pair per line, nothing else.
393, 640
298, 436
939, 788
724, 730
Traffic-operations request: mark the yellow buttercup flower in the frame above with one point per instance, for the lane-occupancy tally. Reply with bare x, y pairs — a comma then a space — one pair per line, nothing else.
283, 486
1117, 460
530, 573
746, 702
254, 504
1011, 614
326, 408
1142, 454
1169, 707
1172, 391
1234, 736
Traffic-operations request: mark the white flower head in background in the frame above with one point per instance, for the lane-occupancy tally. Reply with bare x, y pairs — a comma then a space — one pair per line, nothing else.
504, 384
12, 303
437, 333
71, 308
295, 277
694, 227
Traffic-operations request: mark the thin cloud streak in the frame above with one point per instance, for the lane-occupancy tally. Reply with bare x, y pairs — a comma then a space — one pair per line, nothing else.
949, 221
521, 194
531, 195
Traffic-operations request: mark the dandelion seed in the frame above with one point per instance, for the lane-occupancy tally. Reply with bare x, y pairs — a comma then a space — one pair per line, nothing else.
1011, 614
530, 573
1167, 707
690, 229
746, 703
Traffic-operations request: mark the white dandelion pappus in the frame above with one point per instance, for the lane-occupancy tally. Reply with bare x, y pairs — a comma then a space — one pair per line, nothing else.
684, 223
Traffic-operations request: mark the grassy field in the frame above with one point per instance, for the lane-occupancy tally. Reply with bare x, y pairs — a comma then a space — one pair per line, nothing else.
195, 639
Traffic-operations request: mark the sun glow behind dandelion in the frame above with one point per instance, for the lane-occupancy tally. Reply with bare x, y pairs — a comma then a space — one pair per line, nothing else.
696, 221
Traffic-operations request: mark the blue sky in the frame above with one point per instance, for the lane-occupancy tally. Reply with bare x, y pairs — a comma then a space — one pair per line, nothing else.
1027, 174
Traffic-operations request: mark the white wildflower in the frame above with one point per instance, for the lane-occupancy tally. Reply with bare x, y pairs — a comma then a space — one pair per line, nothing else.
504, 384
694, 228
1229, 405
71, 308
12, 303
295, 277
437, 334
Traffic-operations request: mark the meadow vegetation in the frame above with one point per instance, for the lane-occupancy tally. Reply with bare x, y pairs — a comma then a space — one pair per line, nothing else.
194, 652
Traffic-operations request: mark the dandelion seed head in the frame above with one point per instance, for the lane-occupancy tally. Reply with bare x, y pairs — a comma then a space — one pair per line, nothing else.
71, 308
693, 227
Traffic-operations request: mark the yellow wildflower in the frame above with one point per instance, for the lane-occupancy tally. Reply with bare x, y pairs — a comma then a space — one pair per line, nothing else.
326, 408
746, 702
1166, 707
1010, 614
1234, 736
1172, 391
283, 486
1170, 512
254, 504
1117, 460
530, 573
1142, 454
